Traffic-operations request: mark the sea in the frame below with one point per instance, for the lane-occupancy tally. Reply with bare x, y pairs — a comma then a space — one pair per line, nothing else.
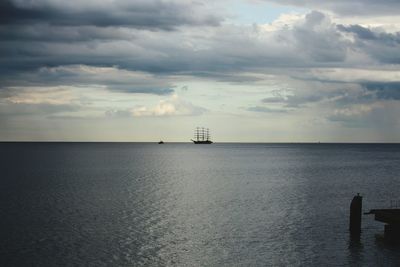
180, 204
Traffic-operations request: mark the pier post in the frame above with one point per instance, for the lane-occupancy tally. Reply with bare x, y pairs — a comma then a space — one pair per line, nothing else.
355, 215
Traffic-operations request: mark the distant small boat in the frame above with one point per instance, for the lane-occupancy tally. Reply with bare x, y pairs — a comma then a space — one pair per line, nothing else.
161, 142
202, 136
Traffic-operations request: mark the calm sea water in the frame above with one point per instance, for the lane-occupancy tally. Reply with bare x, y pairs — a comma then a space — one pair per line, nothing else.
131, 204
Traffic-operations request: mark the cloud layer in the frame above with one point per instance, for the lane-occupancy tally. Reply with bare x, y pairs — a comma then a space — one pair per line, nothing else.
316, 62
149, 14
347, 8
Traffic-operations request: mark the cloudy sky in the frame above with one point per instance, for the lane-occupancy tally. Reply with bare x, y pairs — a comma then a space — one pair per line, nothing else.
250, 70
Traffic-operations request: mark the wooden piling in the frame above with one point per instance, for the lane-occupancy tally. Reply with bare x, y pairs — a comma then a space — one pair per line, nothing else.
355, 215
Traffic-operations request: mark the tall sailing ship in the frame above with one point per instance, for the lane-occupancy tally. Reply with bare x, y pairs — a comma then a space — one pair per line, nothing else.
202, 136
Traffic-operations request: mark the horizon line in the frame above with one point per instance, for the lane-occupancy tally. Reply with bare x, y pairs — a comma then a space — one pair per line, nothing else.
189, 142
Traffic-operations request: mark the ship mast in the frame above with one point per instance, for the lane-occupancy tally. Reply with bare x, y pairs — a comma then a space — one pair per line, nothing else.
197, 135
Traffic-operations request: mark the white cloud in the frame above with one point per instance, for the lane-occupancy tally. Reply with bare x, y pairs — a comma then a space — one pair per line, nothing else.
172, 106
51, 96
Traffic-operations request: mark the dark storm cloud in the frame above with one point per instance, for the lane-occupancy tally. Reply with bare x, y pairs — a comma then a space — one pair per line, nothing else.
111, 78
228, 50
346, 7
376, 43
226, 54
67, 34
384, 90
361, 32
344, 94
47, 51
372, 35
151, 14
36, 34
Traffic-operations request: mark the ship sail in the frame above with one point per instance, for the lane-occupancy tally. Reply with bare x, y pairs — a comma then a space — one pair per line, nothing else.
202, 136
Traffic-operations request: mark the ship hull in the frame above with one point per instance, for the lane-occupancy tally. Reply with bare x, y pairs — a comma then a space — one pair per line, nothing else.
202, 142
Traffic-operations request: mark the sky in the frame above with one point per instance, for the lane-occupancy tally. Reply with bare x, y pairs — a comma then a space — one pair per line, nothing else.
250, 70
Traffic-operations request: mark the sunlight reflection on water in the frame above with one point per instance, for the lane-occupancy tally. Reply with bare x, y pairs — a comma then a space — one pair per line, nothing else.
189, 205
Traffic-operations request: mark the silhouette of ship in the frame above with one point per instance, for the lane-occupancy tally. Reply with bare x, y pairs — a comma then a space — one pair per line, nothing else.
202, 136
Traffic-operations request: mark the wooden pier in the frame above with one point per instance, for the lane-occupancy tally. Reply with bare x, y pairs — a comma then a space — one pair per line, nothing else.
391, 218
